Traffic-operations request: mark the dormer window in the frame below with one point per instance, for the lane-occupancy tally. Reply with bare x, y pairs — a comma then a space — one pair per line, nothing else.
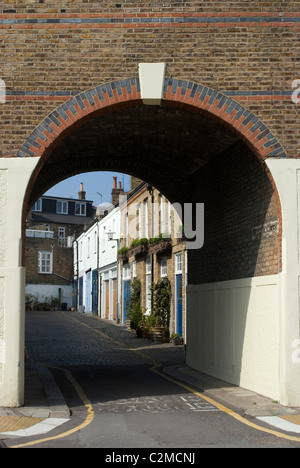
38, 205
80, 209
61, 207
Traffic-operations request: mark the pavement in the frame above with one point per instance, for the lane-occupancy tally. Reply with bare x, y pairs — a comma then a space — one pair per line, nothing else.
45, 407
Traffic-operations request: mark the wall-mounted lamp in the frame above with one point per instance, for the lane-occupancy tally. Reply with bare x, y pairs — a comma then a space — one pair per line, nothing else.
110, 235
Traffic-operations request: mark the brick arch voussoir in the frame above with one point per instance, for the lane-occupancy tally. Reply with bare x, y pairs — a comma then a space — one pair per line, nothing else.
70, 115
225, 110
228, 112
218, 106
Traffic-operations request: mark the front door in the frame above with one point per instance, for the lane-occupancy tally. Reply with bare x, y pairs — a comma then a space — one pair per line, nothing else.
114, 286
88, 292
179, 304
95, 292
126, 298
106, 299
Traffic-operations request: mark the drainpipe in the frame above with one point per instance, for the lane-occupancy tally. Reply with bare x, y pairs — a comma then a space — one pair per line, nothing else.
77, 273
150, 190
98, 276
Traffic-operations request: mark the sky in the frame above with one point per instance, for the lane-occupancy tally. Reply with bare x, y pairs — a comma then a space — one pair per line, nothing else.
97, 185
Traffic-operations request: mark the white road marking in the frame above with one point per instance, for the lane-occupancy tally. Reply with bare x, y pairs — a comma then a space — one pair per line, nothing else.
40, 428
281, 423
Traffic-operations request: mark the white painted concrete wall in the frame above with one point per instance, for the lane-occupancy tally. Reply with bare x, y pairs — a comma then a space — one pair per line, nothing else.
233, 330
286, 173
14, 177
247, 332
51, 290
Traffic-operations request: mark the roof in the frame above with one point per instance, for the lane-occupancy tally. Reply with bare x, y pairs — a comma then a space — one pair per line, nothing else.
67, 199
61, 219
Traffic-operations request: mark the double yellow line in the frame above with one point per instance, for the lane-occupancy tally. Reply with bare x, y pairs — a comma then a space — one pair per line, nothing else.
155, 369
88, 420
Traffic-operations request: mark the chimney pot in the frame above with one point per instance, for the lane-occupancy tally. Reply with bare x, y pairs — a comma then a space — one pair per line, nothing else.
81, 194
115, 181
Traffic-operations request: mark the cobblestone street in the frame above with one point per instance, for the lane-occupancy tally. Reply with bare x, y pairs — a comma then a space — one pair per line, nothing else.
131, 401
71, 345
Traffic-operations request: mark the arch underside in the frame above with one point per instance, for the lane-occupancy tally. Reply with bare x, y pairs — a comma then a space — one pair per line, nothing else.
164, 146
109, 128
192, 148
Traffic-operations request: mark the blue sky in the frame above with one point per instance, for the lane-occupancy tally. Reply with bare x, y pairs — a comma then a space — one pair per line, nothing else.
94, 183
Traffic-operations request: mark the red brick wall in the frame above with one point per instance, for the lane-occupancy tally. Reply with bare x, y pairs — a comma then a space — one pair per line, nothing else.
50, 51
246, 50
242, 220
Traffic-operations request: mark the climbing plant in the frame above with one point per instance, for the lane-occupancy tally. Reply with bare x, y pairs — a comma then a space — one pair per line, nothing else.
162, 302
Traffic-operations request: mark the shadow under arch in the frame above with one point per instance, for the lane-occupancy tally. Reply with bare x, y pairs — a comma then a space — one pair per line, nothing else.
84, 107
181, 100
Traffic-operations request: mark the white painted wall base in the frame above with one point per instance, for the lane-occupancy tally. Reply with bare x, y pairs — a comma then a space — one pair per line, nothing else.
244, 331
232, 332
286, 173
247, 332
14, 177
51, 290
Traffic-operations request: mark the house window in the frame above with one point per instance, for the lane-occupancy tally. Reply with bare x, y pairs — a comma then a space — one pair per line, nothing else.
45, 262
139, 220
81, 251
169, 218
127, 272
80, 209
163, 267
134, 270
146, 226
61, 232
178, 263
126, 229
95, 241
161, 214
61, 207
88, 247
148, 284
38, 205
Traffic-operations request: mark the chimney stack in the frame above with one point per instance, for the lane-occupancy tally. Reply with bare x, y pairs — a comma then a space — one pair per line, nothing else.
116, 191
81, 194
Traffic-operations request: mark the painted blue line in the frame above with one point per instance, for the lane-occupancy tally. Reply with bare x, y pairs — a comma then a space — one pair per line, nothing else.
143, 20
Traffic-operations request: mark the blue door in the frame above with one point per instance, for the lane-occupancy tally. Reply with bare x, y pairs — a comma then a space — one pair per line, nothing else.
95, 292
75, 298
88, 292
179, 304
80, 298
126, 298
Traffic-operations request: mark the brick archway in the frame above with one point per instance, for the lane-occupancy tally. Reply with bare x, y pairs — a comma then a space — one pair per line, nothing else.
232, 256
224, 109
125, 94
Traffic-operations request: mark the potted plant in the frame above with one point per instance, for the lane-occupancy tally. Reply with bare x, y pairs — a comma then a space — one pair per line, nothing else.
123, 254
161, 243
144, 326
135, 312
139, 247
161, 308
54, 303
176, 339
